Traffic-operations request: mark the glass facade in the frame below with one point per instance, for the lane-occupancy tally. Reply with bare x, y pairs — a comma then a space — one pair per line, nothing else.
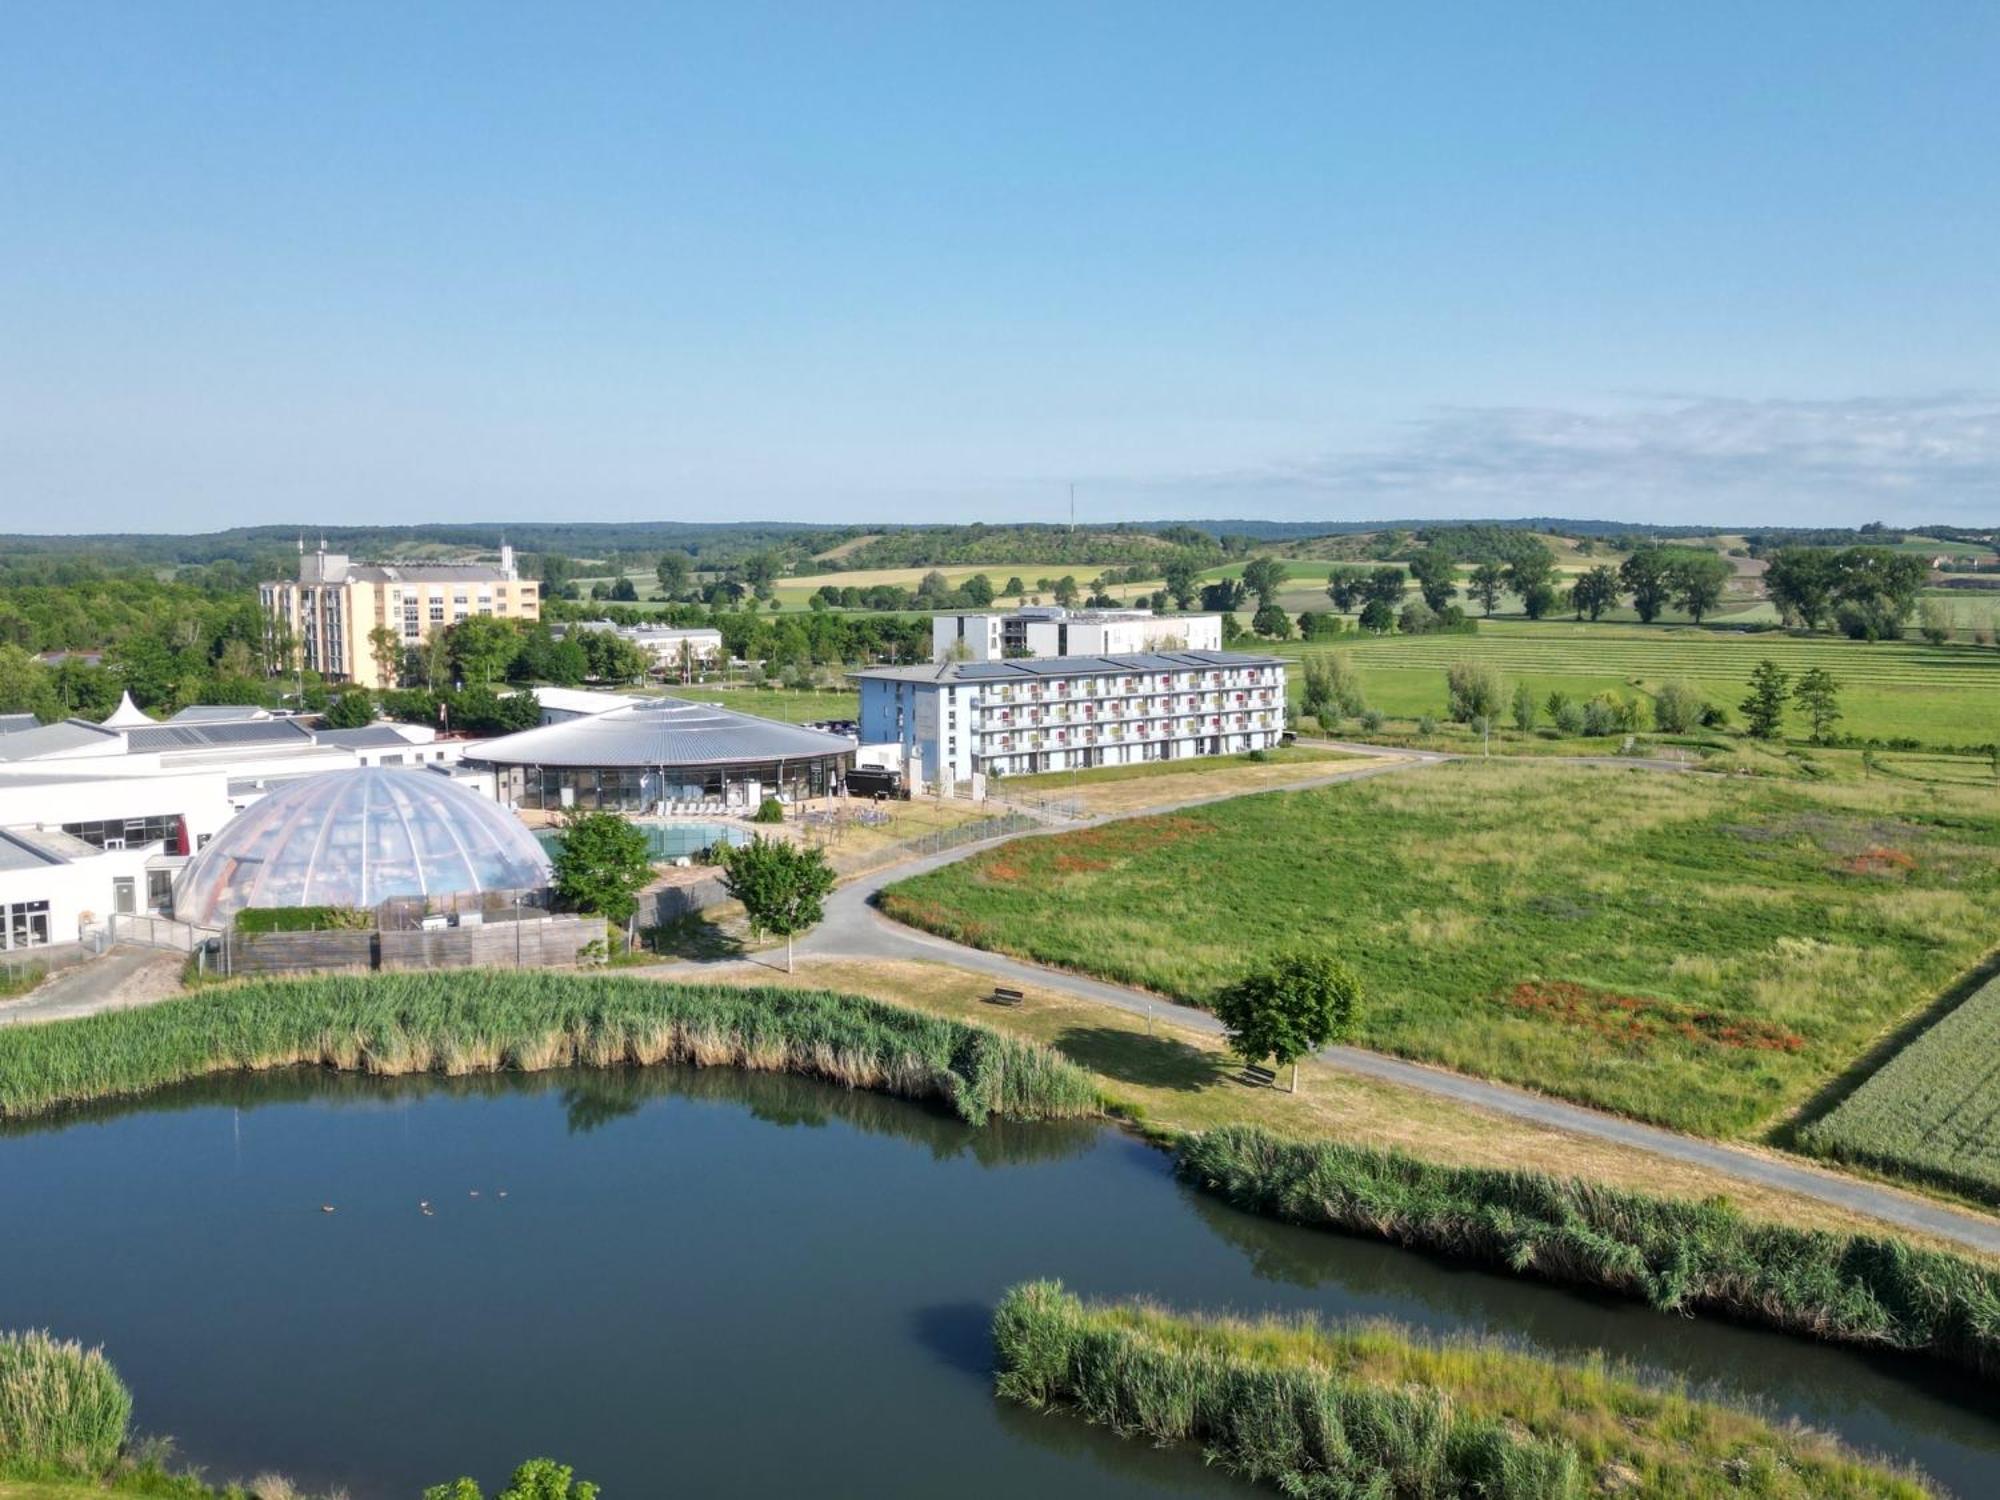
130, 833
644, 788
24, 924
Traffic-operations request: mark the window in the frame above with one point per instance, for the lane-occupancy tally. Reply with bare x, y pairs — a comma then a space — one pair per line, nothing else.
127, 833
27, 925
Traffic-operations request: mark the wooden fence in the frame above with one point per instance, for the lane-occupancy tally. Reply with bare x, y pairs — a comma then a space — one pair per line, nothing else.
534, 943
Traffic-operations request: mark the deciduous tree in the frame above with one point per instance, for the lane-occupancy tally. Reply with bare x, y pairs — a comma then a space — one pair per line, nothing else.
1299, 1002
1764, 709
783, 886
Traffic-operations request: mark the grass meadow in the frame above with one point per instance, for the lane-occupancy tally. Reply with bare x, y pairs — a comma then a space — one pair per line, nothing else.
1941, 695
1373, 1409
1701, 951
1932, 1111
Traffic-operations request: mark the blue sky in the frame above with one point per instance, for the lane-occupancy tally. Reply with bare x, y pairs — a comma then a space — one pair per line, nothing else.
282, 262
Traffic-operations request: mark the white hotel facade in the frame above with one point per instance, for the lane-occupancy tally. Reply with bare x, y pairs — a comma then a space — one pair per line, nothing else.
1016, 718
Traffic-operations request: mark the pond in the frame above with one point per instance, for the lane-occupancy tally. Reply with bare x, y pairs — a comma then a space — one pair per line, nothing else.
713, 1283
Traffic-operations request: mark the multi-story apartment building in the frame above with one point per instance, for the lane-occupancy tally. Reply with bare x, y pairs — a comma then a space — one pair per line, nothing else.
957, 719
1050, 631
330, 614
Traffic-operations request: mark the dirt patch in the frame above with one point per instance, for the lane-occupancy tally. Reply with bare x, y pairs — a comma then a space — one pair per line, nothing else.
1879, 859
1638, 1020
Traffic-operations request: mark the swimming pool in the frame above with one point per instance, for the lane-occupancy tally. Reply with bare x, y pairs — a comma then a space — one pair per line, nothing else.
672, 840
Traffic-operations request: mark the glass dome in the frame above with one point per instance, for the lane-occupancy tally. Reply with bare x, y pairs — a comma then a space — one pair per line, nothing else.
356, 839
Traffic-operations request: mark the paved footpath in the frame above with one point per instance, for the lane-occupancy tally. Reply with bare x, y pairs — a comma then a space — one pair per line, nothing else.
855, 929
122, 978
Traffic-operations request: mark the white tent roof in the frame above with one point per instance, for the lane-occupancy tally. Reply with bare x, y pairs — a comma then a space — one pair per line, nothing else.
128, 715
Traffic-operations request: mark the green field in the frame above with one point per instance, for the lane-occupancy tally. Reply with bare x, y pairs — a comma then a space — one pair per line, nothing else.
1941, 695
1933, 1110
793, 706
1706, 952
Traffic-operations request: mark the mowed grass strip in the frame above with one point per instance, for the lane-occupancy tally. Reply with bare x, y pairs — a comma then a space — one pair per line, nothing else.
1700, 951
1932, 1111
1377, 1410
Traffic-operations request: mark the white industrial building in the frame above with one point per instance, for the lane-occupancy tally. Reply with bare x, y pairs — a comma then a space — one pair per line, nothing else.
669, 647
1040, 632
147, 794
961, 719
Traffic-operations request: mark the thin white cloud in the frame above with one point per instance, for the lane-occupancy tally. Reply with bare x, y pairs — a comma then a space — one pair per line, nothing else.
1708, 457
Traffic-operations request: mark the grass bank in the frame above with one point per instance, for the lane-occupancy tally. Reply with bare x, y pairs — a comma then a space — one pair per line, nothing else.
1377, 1411
1703, 952
468, 1023
1674, 1255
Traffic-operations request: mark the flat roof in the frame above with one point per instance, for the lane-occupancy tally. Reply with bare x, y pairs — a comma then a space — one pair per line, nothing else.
1037, 668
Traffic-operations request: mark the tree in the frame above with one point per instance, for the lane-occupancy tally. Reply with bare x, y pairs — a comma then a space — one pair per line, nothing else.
1487, 584
601, 864
1316, 695
1301, 1001
1764, 709
1875, 591
558, 575
1385, 586
1819, 696
1525, 708
1435, 570
1472, 691
672, 569
1272, 622
1223, 595
353, 709
1264, 576
978, 590
1377, 618
537, 1479
1347, 587
1528, 573
387, 649
1677, 708
1594, 592
1648, 577
1698, 579
481, 648
1015, 589
1934, 619
1183, 578
783, 886
624, 591
1800, 582
1064, 591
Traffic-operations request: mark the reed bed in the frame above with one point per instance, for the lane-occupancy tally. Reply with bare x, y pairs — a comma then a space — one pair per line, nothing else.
63, 1409
1675, 1255
1377, 1411
493, 1021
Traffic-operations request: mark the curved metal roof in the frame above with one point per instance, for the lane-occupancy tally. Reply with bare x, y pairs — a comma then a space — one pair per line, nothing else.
660, 732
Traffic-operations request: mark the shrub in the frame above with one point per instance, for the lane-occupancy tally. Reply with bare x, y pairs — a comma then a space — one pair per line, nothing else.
1525, 708
1426, 725
1471, 689
770, 810
1372, 720
1677, 708
537, 1479
1675, 1255
303, 919
1599, 717
63, 1409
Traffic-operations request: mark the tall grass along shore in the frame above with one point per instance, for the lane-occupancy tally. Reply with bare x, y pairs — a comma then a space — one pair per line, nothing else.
468, 1023
63, 1409
1377, 1411
1674, 1255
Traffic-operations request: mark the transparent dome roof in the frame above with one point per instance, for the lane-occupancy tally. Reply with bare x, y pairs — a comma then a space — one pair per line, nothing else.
358, 838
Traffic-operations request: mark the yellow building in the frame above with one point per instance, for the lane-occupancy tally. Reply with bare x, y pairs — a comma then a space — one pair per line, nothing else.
330, 614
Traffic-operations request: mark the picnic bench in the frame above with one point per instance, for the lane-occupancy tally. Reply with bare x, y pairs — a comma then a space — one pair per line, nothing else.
1003, 996
1259, 1076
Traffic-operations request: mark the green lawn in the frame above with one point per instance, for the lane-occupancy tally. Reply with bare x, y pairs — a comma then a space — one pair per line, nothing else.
1942, 695
789, 704
1049, 783
1702, 951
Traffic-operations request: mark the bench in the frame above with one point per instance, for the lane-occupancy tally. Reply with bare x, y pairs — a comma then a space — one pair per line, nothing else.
1003, 996
1258, 1076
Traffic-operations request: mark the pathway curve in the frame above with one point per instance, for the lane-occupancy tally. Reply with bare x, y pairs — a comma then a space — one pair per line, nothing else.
854, 928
